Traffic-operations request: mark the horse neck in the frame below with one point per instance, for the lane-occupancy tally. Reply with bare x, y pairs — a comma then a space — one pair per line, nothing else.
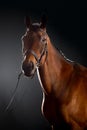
55, 69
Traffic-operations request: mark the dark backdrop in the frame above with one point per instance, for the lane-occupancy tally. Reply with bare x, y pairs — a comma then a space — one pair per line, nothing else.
67, 28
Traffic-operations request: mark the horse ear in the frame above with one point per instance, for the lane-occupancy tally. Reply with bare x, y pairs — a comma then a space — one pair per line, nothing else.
27, 21
43, 21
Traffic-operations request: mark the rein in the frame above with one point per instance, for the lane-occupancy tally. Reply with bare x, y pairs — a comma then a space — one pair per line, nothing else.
14, 92
38, 59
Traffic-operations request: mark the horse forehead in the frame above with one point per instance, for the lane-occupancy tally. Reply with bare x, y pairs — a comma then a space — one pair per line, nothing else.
35, 29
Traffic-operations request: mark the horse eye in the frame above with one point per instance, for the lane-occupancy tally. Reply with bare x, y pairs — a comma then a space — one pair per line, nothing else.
43, 39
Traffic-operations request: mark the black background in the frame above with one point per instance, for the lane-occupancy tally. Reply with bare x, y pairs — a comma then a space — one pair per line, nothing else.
67, 28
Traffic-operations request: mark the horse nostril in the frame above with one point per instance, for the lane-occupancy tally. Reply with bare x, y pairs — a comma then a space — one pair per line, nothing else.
28, 67
31, 65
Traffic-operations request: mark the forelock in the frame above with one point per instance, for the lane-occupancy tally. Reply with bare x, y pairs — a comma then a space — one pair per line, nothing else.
35, 26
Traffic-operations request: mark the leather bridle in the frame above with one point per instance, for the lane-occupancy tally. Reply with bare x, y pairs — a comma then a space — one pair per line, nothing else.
38, 59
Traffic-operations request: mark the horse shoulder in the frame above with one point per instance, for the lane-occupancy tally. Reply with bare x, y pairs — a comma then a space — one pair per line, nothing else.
76, 107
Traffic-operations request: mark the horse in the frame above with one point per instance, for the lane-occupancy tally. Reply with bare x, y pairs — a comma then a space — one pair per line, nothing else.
63, 82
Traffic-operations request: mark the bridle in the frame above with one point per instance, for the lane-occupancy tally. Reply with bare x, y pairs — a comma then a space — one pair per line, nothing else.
38, 63
38, 59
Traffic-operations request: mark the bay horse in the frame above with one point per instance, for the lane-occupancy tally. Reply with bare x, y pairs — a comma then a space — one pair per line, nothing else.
63, 82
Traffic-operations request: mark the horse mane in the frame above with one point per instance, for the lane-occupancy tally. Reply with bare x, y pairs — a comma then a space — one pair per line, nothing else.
63, 55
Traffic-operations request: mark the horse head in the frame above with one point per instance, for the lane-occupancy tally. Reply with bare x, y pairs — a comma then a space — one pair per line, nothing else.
34, 46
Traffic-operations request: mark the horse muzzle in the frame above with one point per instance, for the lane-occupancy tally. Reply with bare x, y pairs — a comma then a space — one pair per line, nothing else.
28, 68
